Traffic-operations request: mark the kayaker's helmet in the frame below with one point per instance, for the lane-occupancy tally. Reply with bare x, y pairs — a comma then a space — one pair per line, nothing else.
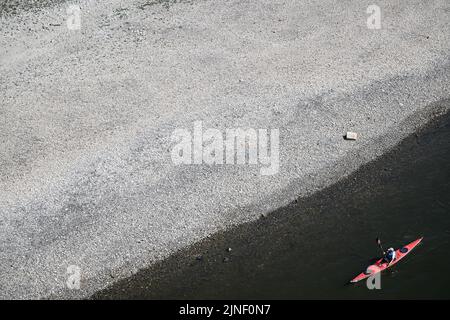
390, 249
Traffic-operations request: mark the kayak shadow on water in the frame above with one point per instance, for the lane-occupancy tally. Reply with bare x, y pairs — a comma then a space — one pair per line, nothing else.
373, 260
368, 262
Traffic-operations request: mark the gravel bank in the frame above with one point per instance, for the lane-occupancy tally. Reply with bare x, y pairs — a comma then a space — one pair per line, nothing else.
86, 176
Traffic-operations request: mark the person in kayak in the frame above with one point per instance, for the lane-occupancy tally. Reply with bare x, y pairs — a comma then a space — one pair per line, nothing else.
389, 256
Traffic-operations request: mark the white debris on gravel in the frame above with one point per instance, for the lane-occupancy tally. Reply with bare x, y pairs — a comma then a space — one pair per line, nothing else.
351, 135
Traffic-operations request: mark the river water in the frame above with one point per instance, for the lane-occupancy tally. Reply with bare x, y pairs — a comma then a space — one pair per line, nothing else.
312, 248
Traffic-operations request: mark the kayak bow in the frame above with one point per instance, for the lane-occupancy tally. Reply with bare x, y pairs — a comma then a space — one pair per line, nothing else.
381, 265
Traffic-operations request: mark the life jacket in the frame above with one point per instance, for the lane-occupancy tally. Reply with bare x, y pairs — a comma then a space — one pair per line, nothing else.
390, 256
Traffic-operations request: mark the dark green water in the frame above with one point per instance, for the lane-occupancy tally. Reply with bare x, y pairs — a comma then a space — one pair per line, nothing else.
312, 248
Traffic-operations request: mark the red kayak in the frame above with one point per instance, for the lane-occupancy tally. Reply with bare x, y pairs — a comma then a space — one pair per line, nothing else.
381, 265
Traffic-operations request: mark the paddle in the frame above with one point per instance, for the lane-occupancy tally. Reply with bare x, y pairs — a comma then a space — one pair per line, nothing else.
381, 247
